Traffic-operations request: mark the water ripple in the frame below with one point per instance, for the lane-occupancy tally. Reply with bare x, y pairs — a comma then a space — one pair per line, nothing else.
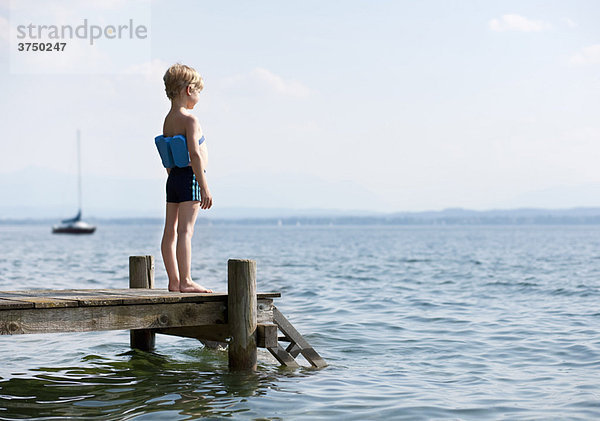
416, 323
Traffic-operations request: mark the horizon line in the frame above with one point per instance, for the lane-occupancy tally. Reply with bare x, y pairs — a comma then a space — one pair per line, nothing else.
313, 213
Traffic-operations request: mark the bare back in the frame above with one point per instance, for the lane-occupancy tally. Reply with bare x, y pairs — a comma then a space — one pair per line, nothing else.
176, 123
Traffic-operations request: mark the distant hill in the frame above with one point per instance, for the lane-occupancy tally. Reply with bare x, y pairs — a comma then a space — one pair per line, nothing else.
444, 217
286, 217
499, 216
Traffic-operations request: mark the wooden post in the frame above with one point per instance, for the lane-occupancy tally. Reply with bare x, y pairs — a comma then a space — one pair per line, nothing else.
241, 313
141, 275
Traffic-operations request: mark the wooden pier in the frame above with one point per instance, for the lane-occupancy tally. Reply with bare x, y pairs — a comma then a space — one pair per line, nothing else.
241, 319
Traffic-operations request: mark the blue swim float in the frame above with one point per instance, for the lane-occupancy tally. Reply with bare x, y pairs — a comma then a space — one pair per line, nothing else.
173, 150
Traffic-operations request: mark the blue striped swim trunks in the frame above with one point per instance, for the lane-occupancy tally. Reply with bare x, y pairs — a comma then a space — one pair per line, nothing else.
182, 185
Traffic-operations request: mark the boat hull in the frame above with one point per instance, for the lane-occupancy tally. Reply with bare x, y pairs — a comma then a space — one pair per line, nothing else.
76, 228
70, 230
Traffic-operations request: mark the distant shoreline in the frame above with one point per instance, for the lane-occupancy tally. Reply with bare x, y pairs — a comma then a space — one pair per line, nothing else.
576, 216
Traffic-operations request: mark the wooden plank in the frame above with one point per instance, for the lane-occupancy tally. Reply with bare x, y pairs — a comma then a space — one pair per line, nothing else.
74, 299
134, 299
55, 292
175, 297
283, 357
288, 330
166, 293
264, 307
193, 296
64, 298
264, 311
14, 304
216, 333
143, 295
265, 295
41, 302
148, 296
305, 349
219, 333
95, 291
266, 335
88, 298
293, 349
86, 319
313, 357
98, 301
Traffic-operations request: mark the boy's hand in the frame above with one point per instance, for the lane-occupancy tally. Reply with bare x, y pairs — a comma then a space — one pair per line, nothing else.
205, 198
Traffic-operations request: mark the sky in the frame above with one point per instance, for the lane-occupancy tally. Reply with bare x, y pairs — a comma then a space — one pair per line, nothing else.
351, 105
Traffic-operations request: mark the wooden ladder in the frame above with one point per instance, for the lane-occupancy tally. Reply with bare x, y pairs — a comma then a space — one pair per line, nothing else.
297, 345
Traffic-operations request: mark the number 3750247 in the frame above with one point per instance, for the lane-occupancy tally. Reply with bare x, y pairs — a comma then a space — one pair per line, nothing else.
41, 46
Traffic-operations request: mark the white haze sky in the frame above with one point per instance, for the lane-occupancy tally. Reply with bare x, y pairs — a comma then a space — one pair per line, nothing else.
409, 105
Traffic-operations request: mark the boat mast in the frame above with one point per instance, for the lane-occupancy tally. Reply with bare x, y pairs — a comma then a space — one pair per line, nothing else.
79, 167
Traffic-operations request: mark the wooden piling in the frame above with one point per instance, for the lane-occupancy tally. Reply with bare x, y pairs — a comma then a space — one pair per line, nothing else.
141, 275
241, 313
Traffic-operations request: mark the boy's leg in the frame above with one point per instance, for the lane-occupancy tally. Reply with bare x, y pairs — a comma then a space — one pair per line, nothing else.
188, 211
168, 246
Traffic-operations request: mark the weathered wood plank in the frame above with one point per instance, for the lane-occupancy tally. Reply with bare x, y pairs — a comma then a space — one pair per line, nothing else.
137, 296
313, 357
41, 302
86, 319
56, 292
175, 297
283, 357
216, 333
293, 349
266, 335
288, 330
305, 349
167, 293
98, 301
120, 291
70, 299
264, 307
60, 295
220, 332
133, 299
103, 297
156, 291
14, 304
264, 311
140, 294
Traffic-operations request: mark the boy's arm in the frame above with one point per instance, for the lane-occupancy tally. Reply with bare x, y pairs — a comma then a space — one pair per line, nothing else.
192, 134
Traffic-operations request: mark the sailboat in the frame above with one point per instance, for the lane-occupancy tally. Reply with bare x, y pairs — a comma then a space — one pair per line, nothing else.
75, 225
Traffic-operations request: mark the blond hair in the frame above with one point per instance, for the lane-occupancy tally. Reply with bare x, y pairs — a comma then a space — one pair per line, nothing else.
178, 77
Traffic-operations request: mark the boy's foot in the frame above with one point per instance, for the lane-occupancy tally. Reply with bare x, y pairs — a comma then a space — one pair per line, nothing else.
174, 286
192, 287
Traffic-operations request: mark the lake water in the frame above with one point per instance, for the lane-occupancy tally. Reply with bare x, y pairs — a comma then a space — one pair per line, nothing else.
460, 322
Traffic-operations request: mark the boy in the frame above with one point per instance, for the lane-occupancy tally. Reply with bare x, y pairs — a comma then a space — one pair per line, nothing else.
187, 188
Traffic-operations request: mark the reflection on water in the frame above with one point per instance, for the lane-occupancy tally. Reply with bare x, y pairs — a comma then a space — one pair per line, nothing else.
138, 383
